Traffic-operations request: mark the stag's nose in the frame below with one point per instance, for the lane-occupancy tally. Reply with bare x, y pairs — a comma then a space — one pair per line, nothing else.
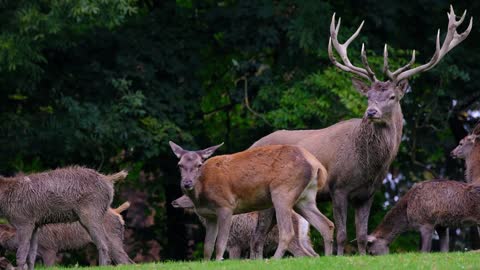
452, 154
371, 112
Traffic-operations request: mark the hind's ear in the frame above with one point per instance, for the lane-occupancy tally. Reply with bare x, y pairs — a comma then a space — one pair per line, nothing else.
183, 202
476, 129
206, 153
177, 150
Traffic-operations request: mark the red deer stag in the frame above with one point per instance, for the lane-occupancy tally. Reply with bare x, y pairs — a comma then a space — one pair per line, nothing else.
282, 176
358, 152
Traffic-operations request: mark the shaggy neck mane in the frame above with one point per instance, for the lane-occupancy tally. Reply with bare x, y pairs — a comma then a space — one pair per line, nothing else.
376, 144
472, 164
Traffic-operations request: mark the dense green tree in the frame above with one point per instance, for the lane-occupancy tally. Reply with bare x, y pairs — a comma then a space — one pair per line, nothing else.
107, 83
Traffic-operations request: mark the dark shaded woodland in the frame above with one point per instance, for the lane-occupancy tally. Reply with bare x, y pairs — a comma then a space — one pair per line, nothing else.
106, 84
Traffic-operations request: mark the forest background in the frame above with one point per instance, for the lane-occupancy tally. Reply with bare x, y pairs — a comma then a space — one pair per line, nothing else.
106, 84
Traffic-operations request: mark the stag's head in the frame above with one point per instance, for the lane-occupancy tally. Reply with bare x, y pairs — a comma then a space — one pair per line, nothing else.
384, 96
465, 147
190, 163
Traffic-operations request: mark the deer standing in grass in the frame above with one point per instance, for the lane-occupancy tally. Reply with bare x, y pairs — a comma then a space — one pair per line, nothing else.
282, 176
243, 229
358, 152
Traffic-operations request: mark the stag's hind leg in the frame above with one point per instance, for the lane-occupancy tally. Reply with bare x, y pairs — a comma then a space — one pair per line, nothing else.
426, 231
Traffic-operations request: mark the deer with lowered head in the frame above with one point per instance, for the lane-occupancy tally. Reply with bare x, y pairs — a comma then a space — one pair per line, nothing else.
357, 153
243, 228
427, 206
469, 150
279, 176
58, 196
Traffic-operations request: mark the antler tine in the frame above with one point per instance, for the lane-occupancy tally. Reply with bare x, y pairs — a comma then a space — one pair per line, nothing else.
342, 52
452, 39
363, 53
407, 66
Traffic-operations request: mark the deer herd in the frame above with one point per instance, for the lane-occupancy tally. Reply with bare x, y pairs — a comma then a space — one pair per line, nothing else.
265, 198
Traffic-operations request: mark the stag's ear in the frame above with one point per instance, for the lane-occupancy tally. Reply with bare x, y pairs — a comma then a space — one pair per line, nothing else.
371, 239
360, 85
177, 150
403, 87
183, 202
206, 153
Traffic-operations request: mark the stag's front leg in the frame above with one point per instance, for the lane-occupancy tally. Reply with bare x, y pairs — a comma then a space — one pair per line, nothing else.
224, 224
211, 226
340, 205
264, 225
362, 212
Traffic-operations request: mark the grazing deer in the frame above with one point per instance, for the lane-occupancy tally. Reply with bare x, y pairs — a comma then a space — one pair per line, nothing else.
469, 150
429, 205
53, 238
243, 228
358, 152
58, 196
282, 176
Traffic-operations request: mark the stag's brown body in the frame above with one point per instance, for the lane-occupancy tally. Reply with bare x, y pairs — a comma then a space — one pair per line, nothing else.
429, 205
358, 152
243, 230
53, 238
58, 196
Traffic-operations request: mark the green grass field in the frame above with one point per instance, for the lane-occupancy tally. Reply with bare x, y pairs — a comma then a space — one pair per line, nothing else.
437, 261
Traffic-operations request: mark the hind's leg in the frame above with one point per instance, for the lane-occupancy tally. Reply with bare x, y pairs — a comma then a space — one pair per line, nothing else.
307, 208
303, 228
32, 253
283, 210
264, 225
116, 250
24, 235
91, 220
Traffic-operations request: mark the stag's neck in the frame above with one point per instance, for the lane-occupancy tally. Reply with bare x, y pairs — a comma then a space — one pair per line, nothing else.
378, 143
472, 165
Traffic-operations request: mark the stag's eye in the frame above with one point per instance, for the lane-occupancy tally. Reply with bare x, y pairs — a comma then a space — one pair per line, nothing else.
392, 97
180, 166
199, 165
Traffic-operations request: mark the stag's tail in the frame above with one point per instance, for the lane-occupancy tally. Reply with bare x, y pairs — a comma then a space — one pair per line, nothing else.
116, 176
122, 207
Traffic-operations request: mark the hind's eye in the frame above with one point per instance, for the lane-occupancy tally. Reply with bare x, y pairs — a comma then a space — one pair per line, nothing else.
199, 165
392, 97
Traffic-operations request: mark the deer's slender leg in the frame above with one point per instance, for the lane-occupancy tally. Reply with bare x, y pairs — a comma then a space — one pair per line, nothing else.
303, 236
340, 204
362, 212
24, 235
309, 210
32, 253
426, 231
264, 225
211, 227
224, 224
285, 226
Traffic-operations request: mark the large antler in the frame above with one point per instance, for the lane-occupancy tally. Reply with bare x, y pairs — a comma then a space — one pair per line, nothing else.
341, 49
452, 39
